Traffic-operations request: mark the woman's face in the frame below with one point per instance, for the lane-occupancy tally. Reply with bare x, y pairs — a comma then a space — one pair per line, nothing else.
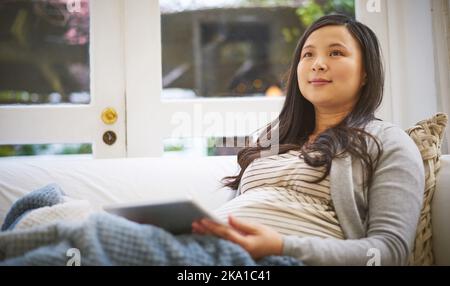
330, 71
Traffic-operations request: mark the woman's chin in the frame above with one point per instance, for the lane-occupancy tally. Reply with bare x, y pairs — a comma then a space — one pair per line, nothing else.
321, 100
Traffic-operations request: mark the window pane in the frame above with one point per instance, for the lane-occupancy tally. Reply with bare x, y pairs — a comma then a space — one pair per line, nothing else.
202, 146
44, 149
44, 52
185, 147
218, 48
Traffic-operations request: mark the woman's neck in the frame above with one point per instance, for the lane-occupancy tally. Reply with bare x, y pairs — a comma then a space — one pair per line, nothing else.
325, 120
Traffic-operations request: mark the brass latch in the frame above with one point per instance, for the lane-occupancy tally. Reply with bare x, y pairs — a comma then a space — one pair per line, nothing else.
109, 115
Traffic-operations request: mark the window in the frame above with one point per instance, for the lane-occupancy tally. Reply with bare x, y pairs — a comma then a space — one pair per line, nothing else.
44, 59
44, 52
61, 67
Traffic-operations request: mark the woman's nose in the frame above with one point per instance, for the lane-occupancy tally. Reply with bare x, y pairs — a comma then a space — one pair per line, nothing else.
319, 65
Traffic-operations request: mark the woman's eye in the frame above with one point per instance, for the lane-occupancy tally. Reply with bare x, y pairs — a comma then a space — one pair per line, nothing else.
336, 53
305, 55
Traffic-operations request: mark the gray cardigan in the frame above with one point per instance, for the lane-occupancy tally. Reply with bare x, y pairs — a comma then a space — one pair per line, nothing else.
379, 223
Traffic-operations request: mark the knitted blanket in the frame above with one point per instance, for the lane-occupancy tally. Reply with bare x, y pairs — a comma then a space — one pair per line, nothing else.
105, 239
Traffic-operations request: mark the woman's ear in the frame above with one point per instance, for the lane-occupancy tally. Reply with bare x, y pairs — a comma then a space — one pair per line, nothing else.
364, 80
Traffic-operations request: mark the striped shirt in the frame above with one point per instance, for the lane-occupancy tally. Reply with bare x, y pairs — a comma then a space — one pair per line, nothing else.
277, 191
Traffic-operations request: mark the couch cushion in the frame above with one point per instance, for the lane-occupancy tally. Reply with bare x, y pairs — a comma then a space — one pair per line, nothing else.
105, 181
428, 135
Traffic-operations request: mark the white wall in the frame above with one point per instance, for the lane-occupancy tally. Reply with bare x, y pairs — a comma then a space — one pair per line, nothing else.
405, 30
412, 64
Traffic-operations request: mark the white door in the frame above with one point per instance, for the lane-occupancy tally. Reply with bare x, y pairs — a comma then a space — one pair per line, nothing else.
77, 123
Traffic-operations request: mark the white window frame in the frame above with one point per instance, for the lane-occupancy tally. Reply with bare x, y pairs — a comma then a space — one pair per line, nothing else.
74, 123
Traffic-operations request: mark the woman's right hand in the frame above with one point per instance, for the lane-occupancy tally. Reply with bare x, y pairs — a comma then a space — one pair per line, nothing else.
257, 239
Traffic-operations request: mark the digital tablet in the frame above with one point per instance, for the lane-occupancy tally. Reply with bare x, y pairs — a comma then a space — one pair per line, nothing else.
174, 216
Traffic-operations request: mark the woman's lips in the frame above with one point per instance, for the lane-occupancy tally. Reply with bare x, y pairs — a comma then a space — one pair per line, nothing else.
320, 82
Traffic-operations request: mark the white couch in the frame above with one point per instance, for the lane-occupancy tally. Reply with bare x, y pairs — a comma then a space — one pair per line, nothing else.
151, 179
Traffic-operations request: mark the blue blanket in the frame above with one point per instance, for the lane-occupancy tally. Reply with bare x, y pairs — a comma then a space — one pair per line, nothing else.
105, 239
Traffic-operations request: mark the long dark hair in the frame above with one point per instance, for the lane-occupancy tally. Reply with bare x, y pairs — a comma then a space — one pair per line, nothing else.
296, 120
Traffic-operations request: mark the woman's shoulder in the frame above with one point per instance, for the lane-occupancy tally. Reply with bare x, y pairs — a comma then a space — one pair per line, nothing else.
378, 125
392, 137
386, 130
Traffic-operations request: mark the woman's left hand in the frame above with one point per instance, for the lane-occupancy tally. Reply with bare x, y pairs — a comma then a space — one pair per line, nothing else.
259, 240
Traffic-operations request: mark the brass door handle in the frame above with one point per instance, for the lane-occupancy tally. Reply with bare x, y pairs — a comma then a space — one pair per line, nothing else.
109, 115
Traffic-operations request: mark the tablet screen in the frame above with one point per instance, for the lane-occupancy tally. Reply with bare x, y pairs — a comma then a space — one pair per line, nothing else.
175, 217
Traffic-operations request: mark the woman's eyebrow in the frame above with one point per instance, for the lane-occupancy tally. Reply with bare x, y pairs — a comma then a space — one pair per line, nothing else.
338, 45
330, 46
308, 47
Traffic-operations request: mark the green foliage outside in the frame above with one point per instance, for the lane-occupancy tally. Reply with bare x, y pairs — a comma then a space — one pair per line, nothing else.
312, 10
211, 146
43, 149
174, 147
